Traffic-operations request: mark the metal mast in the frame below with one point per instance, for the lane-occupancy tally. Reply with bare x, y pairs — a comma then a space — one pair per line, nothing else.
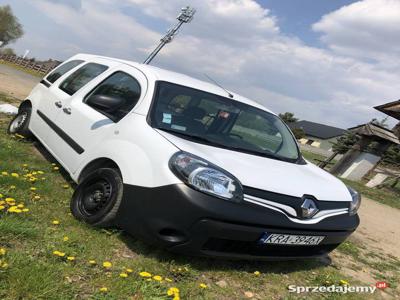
185, 16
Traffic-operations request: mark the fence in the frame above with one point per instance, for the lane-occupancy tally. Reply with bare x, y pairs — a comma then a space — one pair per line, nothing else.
40, 67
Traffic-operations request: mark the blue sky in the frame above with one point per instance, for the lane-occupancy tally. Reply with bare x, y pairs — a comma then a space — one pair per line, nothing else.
328, 61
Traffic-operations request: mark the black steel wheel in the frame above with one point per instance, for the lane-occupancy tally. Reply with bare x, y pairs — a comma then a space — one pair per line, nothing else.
97, 197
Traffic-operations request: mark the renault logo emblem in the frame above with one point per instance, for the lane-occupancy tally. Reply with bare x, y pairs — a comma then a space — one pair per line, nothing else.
308, 209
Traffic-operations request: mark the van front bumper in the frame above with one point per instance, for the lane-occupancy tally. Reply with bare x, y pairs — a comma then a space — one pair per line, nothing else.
183, 220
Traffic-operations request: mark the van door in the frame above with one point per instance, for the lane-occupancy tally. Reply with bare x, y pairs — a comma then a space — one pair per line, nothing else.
85, 125
49, 100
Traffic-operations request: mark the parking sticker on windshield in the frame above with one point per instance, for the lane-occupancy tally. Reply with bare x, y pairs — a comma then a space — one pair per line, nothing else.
177, 127
167, 118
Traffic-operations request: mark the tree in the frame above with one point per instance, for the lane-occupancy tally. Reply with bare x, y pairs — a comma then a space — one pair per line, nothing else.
10, 28
7, 51
288, 117
344, 143
298, 133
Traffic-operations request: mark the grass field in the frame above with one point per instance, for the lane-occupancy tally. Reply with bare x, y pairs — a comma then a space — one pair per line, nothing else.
18, 67
50, 255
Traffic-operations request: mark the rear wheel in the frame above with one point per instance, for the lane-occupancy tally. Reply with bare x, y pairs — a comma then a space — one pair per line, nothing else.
97, 197
19, 124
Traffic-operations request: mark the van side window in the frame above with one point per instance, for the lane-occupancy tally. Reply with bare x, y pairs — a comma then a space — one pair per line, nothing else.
61, 70
81, 77
118, 85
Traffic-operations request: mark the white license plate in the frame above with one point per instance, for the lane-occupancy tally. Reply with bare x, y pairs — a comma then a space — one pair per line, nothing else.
290, 239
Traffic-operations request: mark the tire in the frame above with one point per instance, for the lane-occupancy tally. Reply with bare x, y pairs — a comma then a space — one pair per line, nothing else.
19, 124
97, 197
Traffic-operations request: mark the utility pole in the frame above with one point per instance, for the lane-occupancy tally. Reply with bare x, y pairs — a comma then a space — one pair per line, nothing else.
186, 16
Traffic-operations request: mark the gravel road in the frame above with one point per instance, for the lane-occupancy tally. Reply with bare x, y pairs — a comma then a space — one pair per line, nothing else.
16, 83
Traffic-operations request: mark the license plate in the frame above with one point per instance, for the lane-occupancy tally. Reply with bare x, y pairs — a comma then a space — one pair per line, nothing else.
290, 239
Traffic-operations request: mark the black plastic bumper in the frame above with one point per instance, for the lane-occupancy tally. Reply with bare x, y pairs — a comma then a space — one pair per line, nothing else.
186, 221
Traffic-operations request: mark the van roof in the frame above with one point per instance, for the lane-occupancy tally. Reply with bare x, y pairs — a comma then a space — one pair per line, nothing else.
178, 78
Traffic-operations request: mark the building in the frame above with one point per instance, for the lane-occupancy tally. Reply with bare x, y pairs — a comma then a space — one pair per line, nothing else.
318, 135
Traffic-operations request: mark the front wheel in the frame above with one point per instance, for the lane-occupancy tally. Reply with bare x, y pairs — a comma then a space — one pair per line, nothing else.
19, 124
97, 197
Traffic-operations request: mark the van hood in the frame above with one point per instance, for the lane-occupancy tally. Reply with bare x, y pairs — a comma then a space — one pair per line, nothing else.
269, 174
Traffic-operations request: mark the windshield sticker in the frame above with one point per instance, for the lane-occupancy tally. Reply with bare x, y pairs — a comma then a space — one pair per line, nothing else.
167, 118
177, 127
223, 114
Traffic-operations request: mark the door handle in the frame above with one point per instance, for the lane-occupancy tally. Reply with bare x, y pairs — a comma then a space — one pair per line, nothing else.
58, 104
67, 110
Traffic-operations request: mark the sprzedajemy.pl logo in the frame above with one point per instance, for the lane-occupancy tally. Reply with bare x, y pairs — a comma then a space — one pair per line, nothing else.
343, 289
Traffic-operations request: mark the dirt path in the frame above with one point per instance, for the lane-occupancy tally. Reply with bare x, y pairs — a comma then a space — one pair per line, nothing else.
16, 83
379, 228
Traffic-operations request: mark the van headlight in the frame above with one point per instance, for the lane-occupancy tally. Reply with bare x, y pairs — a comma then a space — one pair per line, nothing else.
355, 202
206, 177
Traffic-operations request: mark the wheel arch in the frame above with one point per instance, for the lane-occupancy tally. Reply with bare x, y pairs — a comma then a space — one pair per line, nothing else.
102, 162
25, 104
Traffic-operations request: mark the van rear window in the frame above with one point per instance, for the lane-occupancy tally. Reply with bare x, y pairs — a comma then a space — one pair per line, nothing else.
81, 77
61, 70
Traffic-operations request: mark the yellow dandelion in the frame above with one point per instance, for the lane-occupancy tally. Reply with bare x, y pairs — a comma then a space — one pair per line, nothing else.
53, 164
71, 258
343, 282
65, 186
4, 173
92, 262
203, 285
2, 207
173, 291
145, 274
40, 172
65, 239
58, 253
123, 275
168, 280
128, 270
103, 289
157, 278
21, 205
25, 210
257, 273
33, 189
3, 251
13, 187
37, 197
56, 168
16, 175
55, 222
107, 264
5, 265
1, 196
25, 165
8, 200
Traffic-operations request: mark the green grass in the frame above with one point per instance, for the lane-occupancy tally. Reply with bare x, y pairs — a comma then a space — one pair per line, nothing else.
314, 158
34, 272
384, 195
26, 70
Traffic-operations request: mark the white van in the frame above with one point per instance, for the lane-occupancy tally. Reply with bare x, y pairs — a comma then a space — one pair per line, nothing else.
183, 163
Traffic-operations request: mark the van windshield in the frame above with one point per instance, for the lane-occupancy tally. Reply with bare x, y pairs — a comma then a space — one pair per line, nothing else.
221, 122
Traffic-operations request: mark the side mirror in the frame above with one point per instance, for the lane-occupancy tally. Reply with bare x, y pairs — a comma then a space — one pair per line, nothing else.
105, 103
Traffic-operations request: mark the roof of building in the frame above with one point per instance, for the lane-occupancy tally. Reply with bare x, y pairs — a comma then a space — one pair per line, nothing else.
318, 130
371, 129
392, 109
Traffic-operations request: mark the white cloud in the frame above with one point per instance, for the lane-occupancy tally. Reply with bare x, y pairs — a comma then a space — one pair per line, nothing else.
367, 29
239, 43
